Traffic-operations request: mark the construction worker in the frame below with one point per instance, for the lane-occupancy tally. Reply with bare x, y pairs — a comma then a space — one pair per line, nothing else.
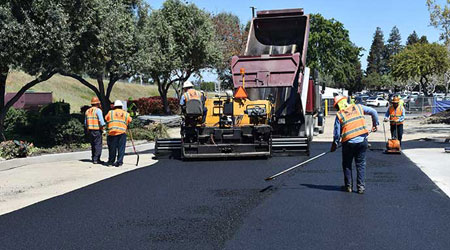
349, 126
191, 94
117, 121
94, 123
396, 115
352, 100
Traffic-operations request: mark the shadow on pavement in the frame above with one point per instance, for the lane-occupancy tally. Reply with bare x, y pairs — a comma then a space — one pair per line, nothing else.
323, 187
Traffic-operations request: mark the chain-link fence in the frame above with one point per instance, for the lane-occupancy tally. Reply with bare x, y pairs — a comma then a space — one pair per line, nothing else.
423, 105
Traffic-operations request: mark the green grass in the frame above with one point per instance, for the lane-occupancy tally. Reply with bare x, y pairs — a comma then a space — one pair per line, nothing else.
77, 95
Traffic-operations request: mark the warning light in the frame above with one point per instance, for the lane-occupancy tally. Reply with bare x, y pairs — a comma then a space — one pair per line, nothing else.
240, 93
242, 71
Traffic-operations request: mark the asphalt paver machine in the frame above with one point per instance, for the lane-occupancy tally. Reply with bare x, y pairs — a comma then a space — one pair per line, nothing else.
276, 104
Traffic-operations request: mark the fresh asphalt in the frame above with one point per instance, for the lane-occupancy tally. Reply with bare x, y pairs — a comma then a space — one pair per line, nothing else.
226, 204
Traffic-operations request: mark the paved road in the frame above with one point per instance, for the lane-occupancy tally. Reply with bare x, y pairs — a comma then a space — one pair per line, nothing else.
227, 205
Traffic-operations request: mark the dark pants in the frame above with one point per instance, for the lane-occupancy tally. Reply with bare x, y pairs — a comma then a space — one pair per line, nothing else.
95, 137
355, 151
116, 147
397, 132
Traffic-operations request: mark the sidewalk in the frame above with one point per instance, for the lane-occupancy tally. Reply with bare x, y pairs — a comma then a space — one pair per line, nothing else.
24, 182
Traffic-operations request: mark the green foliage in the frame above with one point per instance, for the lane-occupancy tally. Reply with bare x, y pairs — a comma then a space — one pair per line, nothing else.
420, 61
55, 109
375, 61
412, 39
16, 122
151, 132
15, 149
331, 52
70, 133
181, 42
231, 37
440, 18
377, 81
207, 86
393, 47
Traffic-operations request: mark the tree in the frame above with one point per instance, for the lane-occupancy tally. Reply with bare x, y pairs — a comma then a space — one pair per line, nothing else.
376, 61
412, 39
232, 37
423, 39
108, 43
421, 61
440, 18
331, 52
392, 47
181, 42
34, 38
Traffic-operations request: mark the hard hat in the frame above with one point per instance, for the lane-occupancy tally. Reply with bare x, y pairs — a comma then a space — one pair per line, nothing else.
395, 99
338, 99
95, 100
188, 84
118, 103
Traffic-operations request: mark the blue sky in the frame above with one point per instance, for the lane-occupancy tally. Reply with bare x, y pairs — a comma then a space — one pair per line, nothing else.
360, 17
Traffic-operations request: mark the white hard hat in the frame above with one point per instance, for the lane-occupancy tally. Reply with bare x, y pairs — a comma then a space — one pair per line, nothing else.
118, 103
188, 84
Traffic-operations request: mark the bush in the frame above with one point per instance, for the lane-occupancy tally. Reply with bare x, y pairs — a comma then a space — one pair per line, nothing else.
154, 105
15, 149
136, 123
16, 122
208, 86
70, 133
55, 109
151, 132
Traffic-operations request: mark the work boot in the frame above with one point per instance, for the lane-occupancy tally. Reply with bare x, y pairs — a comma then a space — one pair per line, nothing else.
360, 191
109, 163
98, 162
117, 164
347, 189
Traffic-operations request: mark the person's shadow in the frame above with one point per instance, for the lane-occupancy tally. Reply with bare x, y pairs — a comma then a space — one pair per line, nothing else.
324, 187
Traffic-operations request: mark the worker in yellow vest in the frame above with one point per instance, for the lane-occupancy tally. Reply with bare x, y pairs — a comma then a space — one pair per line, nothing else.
396, 116
94, 123
349, 126
117, 121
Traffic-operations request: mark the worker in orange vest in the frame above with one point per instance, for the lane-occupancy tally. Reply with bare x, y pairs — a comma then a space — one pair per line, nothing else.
396, 115
117, 121
349, 126
94, 123
191, 94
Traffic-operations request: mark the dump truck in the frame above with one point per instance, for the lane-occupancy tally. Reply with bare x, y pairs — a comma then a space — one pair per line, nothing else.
275, 106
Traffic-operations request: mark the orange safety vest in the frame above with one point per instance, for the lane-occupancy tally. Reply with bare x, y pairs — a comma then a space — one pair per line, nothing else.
117, 121
192, 94
352, 122
92, 121
395, 114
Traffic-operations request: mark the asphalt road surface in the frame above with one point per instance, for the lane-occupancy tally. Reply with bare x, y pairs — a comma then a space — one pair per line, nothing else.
228, 205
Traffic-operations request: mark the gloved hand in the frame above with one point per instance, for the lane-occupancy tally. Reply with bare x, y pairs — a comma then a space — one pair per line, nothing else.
386, 120
374, 129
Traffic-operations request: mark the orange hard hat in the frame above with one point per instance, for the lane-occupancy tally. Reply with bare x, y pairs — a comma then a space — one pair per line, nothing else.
396, 99
95, 100
338, 99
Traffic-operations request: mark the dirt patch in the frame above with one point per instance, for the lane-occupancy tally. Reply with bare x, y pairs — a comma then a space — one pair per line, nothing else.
441, 117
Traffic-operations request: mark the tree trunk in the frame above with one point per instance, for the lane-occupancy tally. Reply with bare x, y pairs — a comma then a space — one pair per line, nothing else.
3, 76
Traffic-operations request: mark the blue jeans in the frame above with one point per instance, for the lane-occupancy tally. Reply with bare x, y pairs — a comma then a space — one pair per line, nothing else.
116, 147
355, 151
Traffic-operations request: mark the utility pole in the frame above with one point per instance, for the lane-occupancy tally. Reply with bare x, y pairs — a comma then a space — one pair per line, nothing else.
253, 11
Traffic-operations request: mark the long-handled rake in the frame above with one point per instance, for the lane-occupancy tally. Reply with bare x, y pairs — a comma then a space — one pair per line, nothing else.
134, 148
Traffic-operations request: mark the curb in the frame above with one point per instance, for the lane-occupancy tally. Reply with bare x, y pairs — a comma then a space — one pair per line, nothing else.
20, 162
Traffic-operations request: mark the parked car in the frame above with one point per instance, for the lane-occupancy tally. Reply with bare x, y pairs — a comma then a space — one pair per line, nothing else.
362, 99
377, 101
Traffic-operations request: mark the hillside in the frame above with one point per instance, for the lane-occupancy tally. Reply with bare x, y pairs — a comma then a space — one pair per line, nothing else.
73, 92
